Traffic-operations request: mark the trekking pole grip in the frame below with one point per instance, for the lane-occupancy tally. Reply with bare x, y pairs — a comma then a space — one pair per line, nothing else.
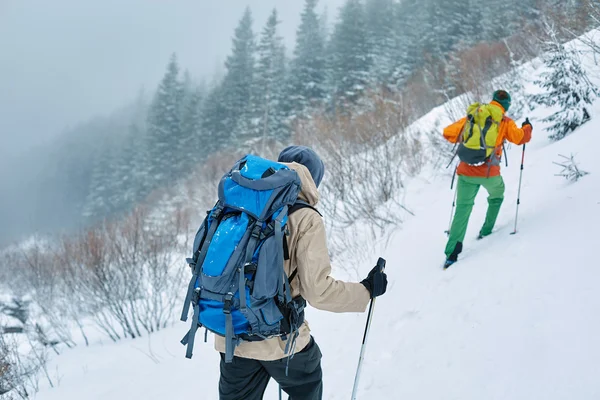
381, 264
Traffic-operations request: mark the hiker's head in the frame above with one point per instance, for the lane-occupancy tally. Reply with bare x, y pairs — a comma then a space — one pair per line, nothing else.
502, 97
307, 157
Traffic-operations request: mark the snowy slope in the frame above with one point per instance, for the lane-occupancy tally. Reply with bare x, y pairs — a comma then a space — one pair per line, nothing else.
516, 318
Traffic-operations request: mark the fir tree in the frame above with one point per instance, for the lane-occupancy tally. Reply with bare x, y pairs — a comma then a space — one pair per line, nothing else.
98, 202
409, 33
215, 135
504, 21
269, 116
136, 155
123, 174
470, 25
164, 127
136, 164
237, 83
566, 85
382, 38
308, 70
445, 25
350, 54
190, 148
114, 184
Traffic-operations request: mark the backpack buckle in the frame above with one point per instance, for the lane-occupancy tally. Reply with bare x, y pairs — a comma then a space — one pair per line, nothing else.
250, 267
227, 303
256, 231
216, 214
196, 296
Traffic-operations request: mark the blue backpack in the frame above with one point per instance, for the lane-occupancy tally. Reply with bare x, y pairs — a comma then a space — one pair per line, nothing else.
239, 288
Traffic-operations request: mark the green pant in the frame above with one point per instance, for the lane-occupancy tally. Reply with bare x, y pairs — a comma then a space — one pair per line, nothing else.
467, 189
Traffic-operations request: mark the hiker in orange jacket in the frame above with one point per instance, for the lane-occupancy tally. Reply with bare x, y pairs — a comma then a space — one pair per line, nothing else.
471, 177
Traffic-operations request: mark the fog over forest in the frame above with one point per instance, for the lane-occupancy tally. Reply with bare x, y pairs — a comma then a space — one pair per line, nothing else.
66, 61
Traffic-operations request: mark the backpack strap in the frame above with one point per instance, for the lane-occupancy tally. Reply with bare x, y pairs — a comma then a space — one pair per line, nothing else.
488, 124
469, 129
230, 344
300, 204
293, 275
284, 295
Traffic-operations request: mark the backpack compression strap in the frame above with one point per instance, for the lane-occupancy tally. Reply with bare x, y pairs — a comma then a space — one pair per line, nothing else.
193, 293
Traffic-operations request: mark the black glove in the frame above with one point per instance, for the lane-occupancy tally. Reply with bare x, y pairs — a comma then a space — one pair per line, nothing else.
376, 282
527, 123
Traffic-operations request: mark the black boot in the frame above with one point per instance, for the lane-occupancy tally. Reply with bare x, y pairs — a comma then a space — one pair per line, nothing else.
452, 258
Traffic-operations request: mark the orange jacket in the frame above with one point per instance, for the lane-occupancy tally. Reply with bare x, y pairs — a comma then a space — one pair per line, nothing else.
508, 130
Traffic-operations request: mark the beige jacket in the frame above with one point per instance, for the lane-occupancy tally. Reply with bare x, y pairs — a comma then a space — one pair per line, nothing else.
309, 255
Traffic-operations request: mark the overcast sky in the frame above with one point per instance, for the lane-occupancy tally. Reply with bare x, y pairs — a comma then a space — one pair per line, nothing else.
63, 61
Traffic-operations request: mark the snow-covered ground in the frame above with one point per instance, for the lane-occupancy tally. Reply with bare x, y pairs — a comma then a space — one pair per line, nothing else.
516, 318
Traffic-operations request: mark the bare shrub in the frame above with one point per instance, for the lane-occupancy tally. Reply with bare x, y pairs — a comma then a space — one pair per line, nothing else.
591, 39
6, 381
472, 70
202, 186
19, 369
40, 272
127, 272
157, 269
367, 156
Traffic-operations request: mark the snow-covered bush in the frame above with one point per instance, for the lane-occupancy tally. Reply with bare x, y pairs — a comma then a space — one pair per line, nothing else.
570, 170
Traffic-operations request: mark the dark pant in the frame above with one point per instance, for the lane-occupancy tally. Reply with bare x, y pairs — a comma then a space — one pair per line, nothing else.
246, 379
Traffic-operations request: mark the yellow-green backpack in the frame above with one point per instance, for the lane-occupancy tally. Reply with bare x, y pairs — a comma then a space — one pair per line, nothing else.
480, 134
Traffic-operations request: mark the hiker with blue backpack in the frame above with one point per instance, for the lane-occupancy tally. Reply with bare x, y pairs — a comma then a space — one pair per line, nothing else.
266, 239
479, 139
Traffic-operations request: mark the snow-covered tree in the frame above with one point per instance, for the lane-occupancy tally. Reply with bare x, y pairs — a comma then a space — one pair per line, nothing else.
268, 95
215, 133
566, 84
237, 83
164, 127
471, 24
503, 20
120, 175
409, 27
98, 203
307, 79
190, 148
124, 193
443, 28
350, 56
135, 165
381, 24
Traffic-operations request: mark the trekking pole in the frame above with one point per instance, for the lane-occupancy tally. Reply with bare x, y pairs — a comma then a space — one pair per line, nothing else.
453, 202
280, 393
519, 193
381, 266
